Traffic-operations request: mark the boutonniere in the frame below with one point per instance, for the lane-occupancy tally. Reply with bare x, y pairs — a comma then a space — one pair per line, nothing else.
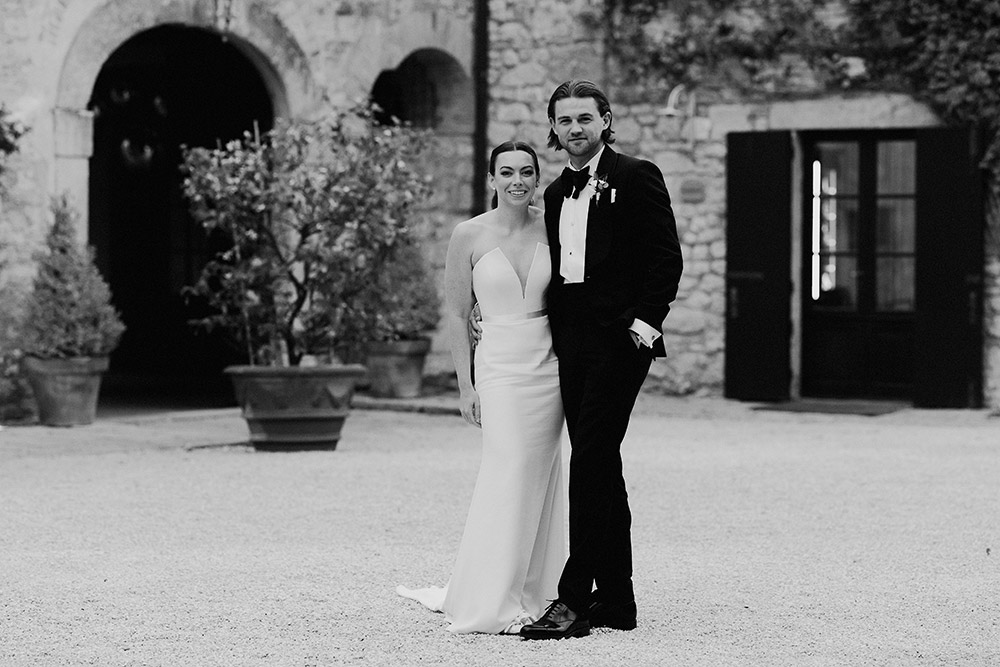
600, 184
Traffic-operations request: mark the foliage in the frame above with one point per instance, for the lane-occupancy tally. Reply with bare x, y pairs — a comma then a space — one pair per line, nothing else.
69, 312
15, 404
10, 132
743, 44
945, 52
309, 214
14, 389
403, 302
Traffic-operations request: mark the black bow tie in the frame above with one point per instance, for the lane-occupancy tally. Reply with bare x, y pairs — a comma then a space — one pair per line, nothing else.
574, 181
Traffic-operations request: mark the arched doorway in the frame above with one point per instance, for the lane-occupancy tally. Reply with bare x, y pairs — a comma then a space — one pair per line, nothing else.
430, 89
165, 87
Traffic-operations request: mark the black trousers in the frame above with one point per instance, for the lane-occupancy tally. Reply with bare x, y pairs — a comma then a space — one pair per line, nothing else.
600, 372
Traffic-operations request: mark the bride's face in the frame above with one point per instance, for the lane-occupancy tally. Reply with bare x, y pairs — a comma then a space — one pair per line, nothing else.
515, 178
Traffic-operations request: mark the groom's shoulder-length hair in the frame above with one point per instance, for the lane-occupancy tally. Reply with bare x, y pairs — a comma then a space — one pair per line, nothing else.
579, 88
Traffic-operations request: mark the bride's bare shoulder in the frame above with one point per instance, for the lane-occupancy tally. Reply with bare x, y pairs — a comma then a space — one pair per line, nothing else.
468, 239
473, 228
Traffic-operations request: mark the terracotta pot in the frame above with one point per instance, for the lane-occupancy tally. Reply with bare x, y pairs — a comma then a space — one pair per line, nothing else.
396, 368
66, 390
289, 408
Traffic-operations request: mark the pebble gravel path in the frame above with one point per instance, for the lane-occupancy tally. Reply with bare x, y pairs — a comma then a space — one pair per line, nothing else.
760, 538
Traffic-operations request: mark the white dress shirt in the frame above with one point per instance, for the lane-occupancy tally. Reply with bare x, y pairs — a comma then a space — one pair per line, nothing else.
573, 227
573, 244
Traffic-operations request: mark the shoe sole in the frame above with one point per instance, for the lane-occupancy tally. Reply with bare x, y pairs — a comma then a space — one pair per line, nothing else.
615, 626
578, 632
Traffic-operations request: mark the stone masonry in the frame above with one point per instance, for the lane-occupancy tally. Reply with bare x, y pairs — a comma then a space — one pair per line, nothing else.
313, 53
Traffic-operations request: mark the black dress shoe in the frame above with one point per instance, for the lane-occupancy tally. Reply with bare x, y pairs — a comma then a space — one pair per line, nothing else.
616, 616
558, 622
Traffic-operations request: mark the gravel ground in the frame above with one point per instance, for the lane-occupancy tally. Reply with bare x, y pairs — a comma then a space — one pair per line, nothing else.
761, 538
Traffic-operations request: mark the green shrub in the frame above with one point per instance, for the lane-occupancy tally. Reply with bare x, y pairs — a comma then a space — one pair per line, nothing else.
310, 213
10, 132
15, 393
69, 311
403, 303
15, 401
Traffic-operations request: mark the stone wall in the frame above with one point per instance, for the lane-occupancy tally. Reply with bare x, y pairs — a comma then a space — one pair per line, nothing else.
533, 48
693, 167
27, 36
314, 52
311, 53
536, 47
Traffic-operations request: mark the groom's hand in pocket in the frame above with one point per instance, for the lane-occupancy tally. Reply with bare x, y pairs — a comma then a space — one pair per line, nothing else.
635, 339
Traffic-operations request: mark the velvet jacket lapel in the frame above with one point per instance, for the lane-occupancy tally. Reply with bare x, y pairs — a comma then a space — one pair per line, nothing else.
599, 218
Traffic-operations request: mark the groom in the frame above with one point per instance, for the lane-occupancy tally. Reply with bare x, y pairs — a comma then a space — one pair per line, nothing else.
616, 263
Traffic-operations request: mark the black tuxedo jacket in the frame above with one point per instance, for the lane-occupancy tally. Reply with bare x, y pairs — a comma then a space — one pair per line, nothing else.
633, 257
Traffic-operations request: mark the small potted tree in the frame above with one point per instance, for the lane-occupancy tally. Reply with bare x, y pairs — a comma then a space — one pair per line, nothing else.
404, 306
70, 326
306, 216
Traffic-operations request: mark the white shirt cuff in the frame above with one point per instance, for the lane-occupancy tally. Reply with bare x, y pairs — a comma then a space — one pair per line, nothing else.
646, 333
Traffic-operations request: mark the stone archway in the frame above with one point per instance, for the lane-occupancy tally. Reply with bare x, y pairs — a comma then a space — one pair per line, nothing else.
254, 30
429, 88
164, 88
127, 97
257, 32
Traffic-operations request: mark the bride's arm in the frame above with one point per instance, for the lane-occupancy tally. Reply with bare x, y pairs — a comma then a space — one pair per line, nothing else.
459, 300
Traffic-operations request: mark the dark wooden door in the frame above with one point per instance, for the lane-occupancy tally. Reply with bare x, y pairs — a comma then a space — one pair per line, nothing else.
949, 283
165, 87
758, 265
892, 266
859, 248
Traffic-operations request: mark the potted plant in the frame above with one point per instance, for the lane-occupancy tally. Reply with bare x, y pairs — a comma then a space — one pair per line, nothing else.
70, 326
15, 395
404, 306
306, 216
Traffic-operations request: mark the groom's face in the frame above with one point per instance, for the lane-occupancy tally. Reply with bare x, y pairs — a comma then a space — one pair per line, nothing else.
579, 126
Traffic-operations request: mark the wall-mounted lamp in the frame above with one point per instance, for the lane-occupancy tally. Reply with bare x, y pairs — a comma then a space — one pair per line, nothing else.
673, 101
135, 156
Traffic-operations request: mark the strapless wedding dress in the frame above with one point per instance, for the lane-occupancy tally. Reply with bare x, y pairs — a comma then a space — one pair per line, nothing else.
515, 541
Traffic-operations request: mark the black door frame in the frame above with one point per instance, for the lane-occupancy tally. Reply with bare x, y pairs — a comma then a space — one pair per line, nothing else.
876, 336
147, 245
948, 361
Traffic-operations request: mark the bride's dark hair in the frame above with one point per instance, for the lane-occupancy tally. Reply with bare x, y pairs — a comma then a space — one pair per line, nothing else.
507, 147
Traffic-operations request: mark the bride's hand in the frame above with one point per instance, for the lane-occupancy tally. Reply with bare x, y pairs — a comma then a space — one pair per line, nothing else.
469, 405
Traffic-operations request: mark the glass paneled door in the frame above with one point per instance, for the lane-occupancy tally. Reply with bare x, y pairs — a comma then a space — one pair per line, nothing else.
860, 246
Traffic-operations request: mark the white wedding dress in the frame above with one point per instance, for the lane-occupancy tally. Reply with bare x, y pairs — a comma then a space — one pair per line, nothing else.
515, 541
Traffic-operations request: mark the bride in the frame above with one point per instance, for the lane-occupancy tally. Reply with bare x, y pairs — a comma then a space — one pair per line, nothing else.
515, 542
